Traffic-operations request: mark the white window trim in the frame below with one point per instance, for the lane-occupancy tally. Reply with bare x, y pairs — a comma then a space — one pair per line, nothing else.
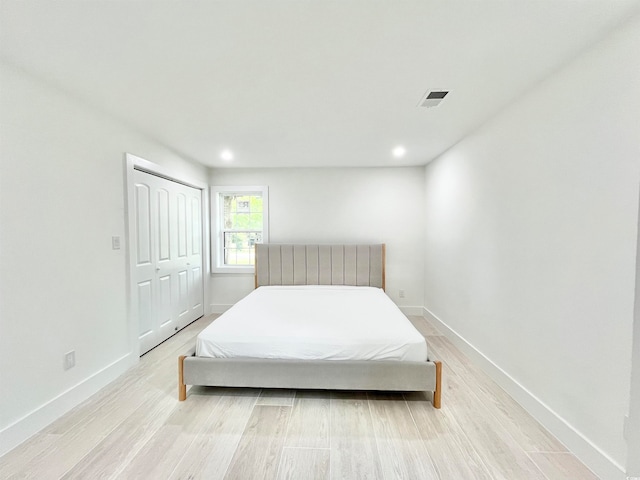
217, 243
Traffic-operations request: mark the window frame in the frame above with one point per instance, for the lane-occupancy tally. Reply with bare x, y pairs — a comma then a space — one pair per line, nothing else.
217, 227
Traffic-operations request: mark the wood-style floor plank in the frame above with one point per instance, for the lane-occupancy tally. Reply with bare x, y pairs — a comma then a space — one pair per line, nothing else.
354, 453
164, 450
500, 453
561, 466
304, 463
121, 445
403, 455
73, 445
260, 448
453, 454
310, 420
14, 464
212, 449
424, 326
276, 396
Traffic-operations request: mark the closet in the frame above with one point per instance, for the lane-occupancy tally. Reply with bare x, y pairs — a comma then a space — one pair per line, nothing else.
167, 257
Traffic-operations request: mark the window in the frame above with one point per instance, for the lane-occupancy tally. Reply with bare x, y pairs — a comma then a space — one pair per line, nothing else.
240, 220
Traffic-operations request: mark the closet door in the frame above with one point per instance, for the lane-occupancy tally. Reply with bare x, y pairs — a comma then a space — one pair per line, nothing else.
189, 282
168, 257
195, 279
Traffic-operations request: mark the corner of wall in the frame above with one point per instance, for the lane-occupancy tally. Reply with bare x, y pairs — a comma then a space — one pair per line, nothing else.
27, 426
572, 438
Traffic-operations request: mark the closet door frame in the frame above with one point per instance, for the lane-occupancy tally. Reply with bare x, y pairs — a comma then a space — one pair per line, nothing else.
132, 163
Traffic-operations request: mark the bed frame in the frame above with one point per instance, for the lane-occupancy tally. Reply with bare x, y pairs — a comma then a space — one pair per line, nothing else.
361, 265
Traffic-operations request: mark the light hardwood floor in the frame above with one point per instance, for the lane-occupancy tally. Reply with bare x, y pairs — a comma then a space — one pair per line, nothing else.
136, 428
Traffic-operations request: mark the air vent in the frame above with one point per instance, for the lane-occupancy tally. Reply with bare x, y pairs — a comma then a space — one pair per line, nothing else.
433, 98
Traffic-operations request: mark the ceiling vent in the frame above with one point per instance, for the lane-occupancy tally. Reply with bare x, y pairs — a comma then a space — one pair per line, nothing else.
433, 98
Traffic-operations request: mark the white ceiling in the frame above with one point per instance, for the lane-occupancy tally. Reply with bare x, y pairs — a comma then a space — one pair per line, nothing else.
301, 83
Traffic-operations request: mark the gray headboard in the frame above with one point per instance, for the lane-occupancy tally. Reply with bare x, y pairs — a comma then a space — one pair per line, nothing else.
361, 265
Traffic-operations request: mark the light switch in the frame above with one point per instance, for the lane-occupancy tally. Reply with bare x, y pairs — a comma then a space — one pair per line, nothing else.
115, 243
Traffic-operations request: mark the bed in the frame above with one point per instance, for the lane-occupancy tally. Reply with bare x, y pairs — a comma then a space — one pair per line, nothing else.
318, 319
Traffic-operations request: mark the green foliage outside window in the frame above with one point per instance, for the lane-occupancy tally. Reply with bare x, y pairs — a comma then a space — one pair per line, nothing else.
243, 222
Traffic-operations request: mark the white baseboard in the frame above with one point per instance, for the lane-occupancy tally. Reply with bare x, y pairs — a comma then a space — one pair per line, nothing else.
411, 310
589, 453
19, 431
219, 307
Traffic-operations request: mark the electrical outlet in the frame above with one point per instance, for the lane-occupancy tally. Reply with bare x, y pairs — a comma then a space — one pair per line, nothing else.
69, 359
401, 294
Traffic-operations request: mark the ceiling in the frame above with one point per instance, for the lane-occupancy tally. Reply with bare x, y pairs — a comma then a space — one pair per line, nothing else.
301, 83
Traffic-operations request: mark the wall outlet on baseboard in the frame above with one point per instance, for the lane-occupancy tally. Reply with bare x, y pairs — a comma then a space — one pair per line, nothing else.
401, 293
69, 359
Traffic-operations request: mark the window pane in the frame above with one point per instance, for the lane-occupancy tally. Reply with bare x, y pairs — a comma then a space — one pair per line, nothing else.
244, 221
255, 221
242, 212
238, 221
256, 203
238, 247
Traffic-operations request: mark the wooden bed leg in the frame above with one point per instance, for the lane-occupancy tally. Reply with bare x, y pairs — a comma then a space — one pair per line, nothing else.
182, 388
437, 393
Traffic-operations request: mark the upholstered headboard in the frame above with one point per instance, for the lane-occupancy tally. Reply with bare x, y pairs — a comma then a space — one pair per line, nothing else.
361, 265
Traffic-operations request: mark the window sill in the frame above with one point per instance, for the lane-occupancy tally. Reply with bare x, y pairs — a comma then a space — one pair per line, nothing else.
245, 270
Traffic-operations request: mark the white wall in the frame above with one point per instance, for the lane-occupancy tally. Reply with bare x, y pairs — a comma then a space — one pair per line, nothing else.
339, 205
531, 241
62, 287
633, 426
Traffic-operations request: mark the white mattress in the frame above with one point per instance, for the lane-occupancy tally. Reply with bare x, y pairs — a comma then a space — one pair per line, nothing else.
313, 323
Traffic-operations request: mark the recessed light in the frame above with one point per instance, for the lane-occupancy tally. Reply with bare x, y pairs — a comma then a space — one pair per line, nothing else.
399, 151
226, 155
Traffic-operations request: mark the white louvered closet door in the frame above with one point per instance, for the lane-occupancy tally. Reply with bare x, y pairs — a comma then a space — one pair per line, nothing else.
168, 257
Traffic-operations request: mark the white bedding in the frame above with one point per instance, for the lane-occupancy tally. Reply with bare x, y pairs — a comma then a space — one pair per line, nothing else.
313, 323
